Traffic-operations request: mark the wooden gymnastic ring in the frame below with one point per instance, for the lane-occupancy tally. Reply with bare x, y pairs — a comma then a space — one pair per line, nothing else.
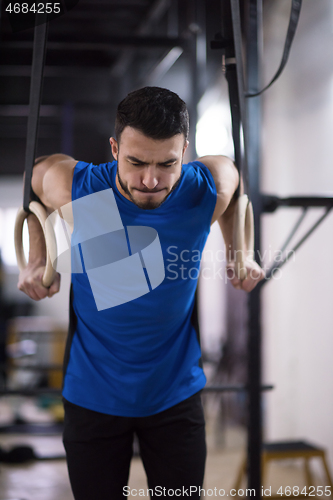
50, 240
243, 235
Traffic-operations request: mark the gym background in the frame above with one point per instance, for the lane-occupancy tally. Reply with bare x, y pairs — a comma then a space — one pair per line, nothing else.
96, 53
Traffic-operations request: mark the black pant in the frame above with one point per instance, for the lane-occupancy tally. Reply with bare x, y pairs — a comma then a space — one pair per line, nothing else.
172, 448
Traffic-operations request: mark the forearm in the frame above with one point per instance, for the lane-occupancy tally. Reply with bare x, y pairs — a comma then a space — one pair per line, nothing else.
37, 249
31, 277
226, 222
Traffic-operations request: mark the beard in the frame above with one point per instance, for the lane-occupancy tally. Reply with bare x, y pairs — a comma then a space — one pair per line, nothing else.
150, 204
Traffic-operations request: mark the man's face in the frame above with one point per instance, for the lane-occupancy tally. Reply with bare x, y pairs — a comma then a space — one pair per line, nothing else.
148, 169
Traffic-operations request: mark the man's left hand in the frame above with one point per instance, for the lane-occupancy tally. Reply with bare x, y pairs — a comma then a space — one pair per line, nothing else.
254, 274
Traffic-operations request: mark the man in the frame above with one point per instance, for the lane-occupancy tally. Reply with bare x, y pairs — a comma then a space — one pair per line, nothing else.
133, 364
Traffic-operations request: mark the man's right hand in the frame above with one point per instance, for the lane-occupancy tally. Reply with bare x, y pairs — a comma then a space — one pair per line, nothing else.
30, 282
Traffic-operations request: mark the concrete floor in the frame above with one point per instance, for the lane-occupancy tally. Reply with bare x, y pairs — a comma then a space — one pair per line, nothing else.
49, 480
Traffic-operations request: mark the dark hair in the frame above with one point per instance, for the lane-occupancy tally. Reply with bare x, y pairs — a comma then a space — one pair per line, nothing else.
157, 113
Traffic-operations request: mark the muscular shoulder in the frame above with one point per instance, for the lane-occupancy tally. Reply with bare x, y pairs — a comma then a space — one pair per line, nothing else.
226, 180
52, 180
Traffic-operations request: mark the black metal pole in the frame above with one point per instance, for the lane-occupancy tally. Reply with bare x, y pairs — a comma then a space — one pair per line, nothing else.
36, 86
197, 57
254, 10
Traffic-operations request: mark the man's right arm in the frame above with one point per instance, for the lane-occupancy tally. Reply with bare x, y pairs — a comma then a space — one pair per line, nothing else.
52, 182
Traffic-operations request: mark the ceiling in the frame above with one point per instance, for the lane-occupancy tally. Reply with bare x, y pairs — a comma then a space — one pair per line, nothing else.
97, 52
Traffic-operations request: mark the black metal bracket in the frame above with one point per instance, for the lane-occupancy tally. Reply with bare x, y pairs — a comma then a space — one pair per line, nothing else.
272, 203
234, 388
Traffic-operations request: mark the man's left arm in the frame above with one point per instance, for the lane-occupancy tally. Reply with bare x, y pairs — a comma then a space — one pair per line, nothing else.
226, 179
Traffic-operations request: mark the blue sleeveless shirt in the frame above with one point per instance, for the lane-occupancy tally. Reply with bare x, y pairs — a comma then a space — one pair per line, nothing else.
138, 355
